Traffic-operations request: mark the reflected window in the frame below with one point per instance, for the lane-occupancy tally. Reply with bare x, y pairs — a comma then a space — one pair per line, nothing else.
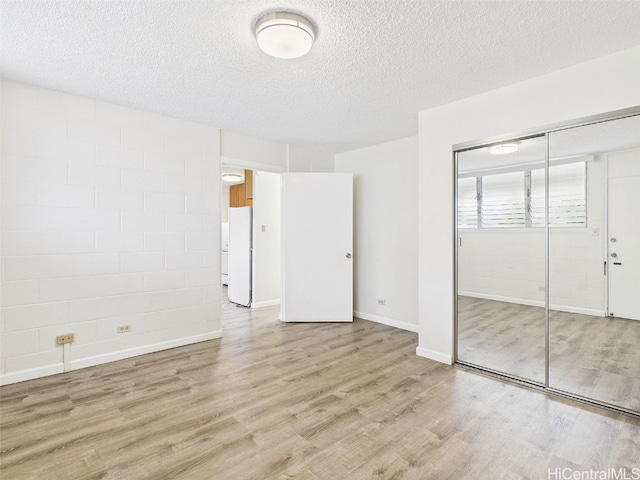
468, 202
503, 200
567, 196
516, 199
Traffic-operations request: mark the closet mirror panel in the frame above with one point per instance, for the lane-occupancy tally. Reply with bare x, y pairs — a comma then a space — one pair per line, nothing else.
501, 258
594, 262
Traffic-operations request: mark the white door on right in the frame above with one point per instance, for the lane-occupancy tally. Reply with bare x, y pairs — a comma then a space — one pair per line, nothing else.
624, 234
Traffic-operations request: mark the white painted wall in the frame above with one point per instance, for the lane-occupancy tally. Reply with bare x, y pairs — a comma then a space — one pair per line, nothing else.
598, 86
385, 231
508, 264
110, 216
266, 239
252, 153
306, 160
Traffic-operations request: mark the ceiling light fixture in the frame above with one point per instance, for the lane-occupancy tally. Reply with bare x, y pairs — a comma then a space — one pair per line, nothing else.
284, 35
503, 148
232, 177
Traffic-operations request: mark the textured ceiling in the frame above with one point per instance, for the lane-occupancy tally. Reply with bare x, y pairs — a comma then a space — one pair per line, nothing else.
374, 66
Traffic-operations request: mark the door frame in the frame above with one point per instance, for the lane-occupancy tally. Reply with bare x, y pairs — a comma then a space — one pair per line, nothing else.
605, 247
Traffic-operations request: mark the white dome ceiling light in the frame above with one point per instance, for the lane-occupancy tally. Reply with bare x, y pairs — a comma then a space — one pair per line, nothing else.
284, 35
503, 148
232, 177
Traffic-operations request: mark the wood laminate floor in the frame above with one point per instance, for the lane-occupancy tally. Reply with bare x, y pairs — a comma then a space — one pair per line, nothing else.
594, 357
299, 401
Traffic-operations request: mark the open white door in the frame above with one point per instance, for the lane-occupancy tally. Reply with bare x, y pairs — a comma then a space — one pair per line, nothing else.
317, 242
624, 234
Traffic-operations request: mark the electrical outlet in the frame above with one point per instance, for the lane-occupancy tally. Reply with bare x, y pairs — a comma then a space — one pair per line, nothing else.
124, 328
66, 338
382, 301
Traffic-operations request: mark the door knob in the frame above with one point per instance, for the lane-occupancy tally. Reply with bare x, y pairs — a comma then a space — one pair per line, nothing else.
348, 255
614, 255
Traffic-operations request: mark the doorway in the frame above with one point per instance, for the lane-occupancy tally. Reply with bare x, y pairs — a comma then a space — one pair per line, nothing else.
623, 244
254, 199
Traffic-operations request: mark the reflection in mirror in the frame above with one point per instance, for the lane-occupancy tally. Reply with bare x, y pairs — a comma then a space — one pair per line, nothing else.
501, 259
594, 250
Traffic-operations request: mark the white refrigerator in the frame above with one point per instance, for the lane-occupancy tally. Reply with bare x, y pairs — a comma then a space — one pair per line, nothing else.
240, 253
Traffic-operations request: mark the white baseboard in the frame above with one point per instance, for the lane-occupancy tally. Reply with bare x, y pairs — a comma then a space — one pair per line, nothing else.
134, 352
318, 320
580, 310
433, 355
536, 303
387, 321
30, 374
266, 303
501, 298
54, 369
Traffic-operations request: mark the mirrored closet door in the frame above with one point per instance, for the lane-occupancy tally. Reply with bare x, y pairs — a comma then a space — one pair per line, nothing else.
548, 259
501, 258
594, 261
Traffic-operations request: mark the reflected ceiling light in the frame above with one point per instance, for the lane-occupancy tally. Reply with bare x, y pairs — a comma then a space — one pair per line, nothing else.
284, 35
232, 177
503, 148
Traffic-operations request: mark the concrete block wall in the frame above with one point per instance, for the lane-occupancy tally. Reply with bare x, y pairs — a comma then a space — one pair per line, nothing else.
110, 216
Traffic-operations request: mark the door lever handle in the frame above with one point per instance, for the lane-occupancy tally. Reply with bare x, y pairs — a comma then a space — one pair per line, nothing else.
348, 255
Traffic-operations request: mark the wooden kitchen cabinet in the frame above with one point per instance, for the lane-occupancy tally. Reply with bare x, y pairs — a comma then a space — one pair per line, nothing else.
248, 184
242, 195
